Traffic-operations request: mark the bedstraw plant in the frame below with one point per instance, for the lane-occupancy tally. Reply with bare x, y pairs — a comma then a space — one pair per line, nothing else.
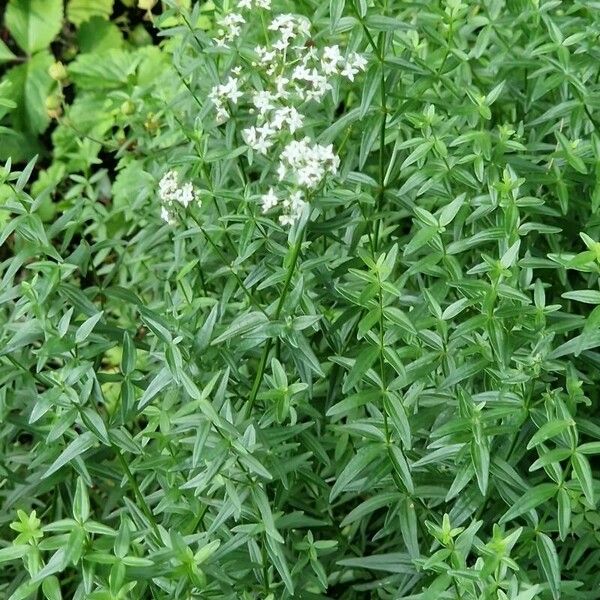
317, 316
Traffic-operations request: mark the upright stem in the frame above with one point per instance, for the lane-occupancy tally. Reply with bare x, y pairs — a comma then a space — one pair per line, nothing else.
269, 344
384, 110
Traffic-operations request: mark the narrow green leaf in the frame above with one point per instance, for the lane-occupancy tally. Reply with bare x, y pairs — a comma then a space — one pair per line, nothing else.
77, 447
529, 500
550, 564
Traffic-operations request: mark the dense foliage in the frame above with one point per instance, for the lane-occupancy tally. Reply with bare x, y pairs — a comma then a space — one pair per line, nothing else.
300, 305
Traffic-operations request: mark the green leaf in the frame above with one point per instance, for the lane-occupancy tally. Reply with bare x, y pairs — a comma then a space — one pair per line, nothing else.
242, 325
362, 364
13, 552
262, 503
550, 563
162, 379
81, 502
480, 455
86, 328
363, 458
6, 55
549, 430
31, 85
589, 448
529, 500
128, 359
564, 513
583, 471
401, 468
77, 447
34, 23
394, 562
451, 210
394, 407
51, 588
79, 11
587, 296
98, 35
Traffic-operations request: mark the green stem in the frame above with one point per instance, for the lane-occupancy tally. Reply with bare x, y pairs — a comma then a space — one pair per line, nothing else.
223, 259
269, 344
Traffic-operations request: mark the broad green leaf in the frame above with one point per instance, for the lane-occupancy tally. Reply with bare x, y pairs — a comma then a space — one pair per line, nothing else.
31, 85
6, 55
79, 11
98, 35
34, 23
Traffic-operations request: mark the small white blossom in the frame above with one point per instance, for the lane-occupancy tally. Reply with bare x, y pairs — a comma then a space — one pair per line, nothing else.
269, 200
170, 192
231, 27
331, 59
263, 101
221, 93
259, 138
289, 116
353, 65
165, 215
308, 163
294, 205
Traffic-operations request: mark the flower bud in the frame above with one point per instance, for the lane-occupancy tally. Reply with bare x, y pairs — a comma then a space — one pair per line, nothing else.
127, 108
53, 106
152, 123
57, 71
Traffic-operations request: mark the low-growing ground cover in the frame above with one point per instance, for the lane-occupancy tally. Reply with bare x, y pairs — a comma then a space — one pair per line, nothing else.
299, 300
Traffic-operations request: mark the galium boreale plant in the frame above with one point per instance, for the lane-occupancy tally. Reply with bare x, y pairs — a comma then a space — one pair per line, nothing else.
344, 346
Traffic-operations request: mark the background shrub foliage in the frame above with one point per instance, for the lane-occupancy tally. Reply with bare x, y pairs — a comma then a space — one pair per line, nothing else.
393, 398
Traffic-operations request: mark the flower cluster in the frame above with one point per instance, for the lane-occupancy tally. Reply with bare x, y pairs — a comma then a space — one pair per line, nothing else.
290, 77
171, 193
307, 162
230, 28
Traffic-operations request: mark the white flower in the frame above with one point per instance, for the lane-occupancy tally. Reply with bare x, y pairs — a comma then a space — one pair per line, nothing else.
166, 216
231, 90
288, 115
282, 22
353, 65
263, 101
230, 28
294, 205
169, 192
330, 59
308, 163
219, 94
280, 83
259, 138
269, 200
186, 194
